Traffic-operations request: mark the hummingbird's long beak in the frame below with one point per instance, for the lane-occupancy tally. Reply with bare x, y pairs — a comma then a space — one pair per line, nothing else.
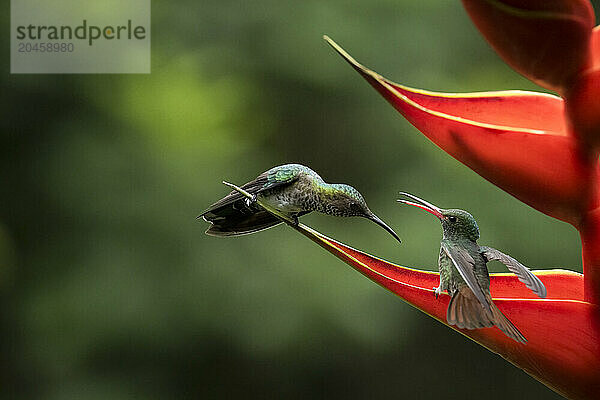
422, 204
379, 222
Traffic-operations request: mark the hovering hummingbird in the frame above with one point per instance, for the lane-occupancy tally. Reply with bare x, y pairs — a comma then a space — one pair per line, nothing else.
464, 275
292, 189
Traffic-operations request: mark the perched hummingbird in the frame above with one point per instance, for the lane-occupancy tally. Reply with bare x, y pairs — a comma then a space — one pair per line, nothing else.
464, 275
292, 189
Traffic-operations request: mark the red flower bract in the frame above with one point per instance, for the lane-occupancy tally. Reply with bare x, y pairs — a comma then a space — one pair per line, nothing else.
540, 148
482, 130
563, 330
547, 41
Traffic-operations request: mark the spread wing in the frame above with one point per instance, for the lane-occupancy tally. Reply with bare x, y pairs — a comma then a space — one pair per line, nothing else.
465, 264
235, 200
522, 272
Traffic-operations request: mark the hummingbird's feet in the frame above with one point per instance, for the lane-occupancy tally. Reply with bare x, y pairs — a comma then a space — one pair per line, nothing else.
251, 201
295, 219
438, 291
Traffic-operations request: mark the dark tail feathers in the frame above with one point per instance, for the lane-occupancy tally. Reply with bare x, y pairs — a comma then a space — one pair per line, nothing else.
240, 224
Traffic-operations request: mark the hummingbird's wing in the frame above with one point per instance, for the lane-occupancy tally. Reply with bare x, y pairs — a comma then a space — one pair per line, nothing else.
465, 265
235, 215
522, 272
265, 181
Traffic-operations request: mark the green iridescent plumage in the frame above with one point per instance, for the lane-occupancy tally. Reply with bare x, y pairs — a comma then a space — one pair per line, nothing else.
464, 275
293, 189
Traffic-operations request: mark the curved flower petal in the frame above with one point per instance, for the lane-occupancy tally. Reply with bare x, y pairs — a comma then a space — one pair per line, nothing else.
563, 332
542, 167
560, 284
547, 41
540, 112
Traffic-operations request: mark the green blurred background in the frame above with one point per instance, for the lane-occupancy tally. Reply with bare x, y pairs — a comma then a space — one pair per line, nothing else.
109, 288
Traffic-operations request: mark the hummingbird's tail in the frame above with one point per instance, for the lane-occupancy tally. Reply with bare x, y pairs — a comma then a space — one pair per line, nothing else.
466, 312
235, 215
504, 324
237, 224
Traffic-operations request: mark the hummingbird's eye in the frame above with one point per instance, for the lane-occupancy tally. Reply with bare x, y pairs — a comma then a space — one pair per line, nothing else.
355, 208
452, 219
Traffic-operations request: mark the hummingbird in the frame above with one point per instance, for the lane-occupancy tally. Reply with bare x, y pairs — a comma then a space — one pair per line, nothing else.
292, 189
464, 275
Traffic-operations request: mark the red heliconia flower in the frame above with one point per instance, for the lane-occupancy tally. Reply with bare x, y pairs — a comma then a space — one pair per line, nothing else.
562, 330
542, 149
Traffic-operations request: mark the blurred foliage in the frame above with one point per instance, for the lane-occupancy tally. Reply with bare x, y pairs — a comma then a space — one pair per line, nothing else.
109, 287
